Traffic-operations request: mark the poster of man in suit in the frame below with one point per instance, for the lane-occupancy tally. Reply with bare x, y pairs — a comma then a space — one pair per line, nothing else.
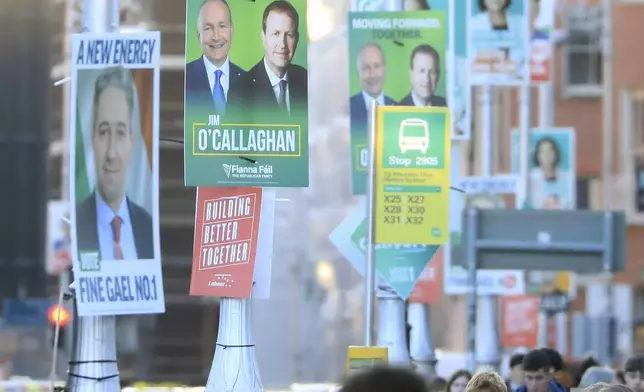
246, 114
114, 175
395, 58
210, 77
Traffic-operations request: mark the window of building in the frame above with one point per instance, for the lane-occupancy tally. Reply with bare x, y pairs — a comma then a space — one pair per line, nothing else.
582, 54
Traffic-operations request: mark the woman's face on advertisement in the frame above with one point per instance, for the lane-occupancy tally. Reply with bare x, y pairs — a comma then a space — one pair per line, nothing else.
495, 5
546, 155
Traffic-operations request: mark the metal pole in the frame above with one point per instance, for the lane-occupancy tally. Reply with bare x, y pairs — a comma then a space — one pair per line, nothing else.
93, 366
64, 278
546, 104
546, 119
607, 132
472, 297
371, 206
487, 348
523, 196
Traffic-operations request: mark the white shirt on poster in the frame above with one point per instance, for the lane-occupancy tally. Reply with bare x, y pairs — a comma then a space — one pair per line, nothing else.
275, 83
516, 26
561, 188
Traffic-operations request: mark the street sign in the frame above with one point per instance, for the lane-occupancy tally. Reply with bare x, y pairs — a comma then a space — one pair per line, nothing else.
398, 266
361, 358
413, 157
579, 241
25, 312
553, 303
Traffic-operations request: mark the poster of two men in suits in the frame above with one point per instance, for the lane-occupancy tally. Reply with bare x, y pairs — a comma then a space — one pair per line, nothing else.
246, 64
395, 59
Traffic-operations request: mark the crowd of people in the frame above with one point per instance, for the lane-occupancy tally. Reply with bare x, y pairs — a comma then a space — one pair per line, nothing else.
540, 370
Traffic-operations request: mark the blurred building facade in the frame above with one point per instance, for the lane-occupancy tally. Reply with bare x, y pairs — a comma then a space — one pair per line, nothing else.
178, 345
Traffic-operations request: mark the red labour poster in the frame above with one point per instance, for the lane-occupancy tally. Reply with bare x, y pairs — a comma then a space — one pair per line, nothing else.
429, 288
225, 242
519, 321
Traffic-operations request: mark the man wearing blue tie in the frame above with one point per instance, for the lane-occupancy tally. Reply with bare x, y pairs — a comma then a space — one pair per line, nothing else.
210, 77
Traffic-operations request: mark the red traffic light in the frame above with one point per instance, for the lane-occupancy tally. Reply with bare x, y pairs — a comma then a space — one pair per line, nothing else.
58, 315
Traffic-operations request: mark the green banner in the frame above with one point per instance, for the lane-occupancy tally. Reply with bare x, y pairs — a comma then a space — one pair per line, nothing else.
398, 266
246, 94
395, 58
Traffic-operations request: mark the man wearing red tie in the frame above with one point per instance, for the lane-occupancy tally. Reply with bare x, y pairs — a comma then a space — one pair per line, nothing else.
108, 222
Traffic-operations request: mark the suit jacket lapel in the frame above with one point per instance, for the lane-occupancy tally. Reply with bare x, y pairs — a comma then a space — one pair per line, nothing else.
265, 85
363, 107
90, 226
234, 74
202, 78
138, 241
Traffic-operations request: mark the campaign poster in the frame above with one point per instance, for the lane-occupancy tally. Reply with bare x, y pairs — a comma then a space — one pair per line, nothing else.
395, 59
498, 42
482, 192
58, 248
225, 241
552, 185
542, 28
520, 321
114, 176
262, 273
246, 94
429, 286
458, 89
397, 266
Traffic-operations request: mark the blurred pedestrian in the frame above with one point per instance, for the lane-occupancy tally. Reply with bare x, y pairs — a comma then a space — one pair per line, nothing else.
537, 374
585, 364
385, 379
486, 381
438, 384
619, 377
516, 372
560, 374
634, 373
597, 387
458, 381
597, 374
616, 388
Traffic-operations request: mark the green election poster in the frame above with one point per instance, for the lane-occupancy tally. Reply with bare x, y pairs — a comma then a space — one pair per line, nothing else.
395, 59
246, 94
398, 266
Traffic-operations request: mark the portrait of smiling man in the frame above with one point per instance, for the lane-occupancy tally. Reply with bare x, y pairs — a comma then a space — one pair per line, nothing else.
107, 221
210, 77
372, 72
424, 74
275, 84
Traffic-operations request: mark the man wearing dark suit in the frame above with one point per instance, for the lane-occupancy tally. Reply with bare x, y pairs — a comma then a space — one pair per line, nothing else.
210, 77
372, 72
424, 74
107, 221
274, 84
